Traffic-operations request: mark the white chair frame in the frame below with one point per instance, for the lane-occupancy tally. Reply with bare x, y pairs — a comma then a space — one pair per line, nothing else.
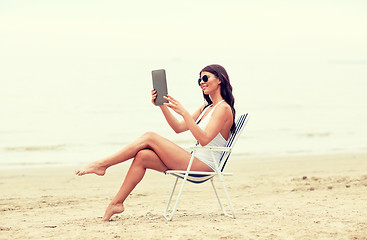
185, 175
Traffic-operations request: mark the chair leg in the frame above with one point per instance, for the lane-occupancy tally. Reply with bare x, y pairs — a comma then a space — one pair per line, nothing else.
216, 193
166, 214
169, 200
227, 197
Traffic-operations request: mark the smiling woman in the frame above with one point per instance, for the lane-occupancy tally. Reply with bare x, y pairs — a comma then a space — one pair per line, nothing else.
218, 73
210, 125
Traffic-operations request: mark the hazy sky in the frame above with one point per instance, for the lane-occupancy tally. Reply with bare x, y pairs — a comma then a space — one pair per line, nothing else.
33, 31
57, 56
43, 42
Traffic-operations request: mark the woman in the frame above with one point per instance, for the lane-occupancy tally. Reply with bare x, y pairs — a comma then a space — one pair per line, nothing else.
213, 125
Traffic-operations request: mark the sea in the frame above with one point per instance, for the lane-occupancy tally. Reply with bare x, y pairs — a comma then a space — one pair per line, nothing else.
71, 113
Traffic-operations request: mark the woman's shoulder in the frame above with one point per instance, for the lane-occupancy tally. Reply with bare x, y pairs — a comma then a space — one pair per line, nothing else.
224, 108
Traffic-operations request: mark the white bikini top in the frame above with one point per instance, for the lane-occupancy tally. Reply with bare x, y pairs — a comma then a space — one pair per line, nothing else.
202, 123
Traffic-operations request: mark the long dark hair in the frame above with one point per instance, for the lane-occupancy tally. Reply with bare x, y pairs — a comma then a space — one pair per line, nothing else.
225, 88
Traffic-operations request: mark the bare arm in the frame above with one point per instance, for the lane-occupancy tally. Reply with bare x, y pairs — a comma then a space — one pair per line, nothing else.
215, 125
175, 124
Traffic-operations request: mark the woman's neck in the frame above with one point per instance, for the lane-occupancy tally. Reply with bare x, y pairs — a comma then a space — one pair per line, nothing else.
216, 97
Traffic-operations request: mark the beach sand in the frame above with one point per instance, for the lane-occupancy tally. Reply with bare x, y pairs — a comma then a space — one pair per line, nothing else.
298, 197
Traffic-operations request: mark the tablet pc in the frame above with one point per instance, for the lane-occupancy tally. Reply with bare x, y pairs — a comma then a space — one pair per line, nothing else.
160, 85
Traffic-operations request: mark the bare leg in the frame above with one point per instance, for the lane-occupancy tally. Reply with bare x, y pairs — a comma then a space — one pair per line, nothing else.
167, 151
99, 167
157, 153
144, 159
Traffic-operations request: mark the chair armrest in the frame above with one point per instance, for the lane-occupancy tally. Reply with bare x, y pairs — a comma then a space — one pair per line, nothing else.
205, 148
196, 172
209, 148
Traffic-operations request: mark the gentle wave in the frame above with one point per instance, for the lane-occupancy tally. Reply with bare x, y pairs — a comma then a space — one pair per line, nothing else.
35, 148
321, 134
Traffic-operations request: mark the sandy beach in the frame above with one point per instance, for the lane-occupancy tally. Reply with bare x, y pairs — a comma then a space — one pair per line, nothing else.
302, 197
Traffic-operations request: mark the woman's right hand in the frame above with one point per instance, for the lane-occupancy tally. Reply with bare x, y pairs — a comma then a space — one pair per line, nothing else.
154, 96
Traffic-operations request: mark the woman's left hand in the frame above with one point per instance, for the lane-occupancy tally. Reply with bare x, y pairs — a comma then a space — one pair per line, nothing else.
175, 105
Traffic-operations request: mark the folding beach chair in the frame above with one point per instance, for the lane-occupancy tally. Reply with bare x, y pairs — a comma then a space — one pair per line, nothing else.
200, 177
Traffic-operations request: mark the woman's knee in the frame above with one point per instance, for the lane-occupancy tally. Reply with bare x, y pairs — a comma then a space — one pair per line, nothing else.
149, 138
148, 159
150, 135
142, 157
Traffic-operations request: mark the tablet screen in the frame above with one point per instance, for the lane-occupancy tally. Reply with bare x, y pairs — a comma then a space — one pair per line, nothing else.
160, 85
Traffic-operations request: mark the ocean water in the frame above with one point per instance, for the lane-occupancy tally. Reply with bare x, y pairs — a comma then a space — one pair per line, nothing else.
71, 113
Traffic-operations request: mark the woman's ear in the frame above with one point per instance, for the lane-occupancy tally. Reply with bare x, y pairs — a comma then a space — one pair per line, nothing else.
219, 81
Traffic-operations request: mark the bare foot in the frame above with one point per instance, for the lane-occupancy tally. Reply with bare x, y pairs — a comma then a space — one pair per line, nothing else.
93, 167
113, 209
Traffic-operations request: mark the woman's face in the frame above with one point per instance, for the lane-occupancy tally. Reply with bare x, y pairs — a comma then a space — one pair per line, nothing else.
211, 85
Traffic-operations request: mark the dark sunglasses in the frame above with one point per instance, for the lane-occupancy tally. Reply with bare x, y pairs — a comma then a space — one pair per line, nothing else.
204, 79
